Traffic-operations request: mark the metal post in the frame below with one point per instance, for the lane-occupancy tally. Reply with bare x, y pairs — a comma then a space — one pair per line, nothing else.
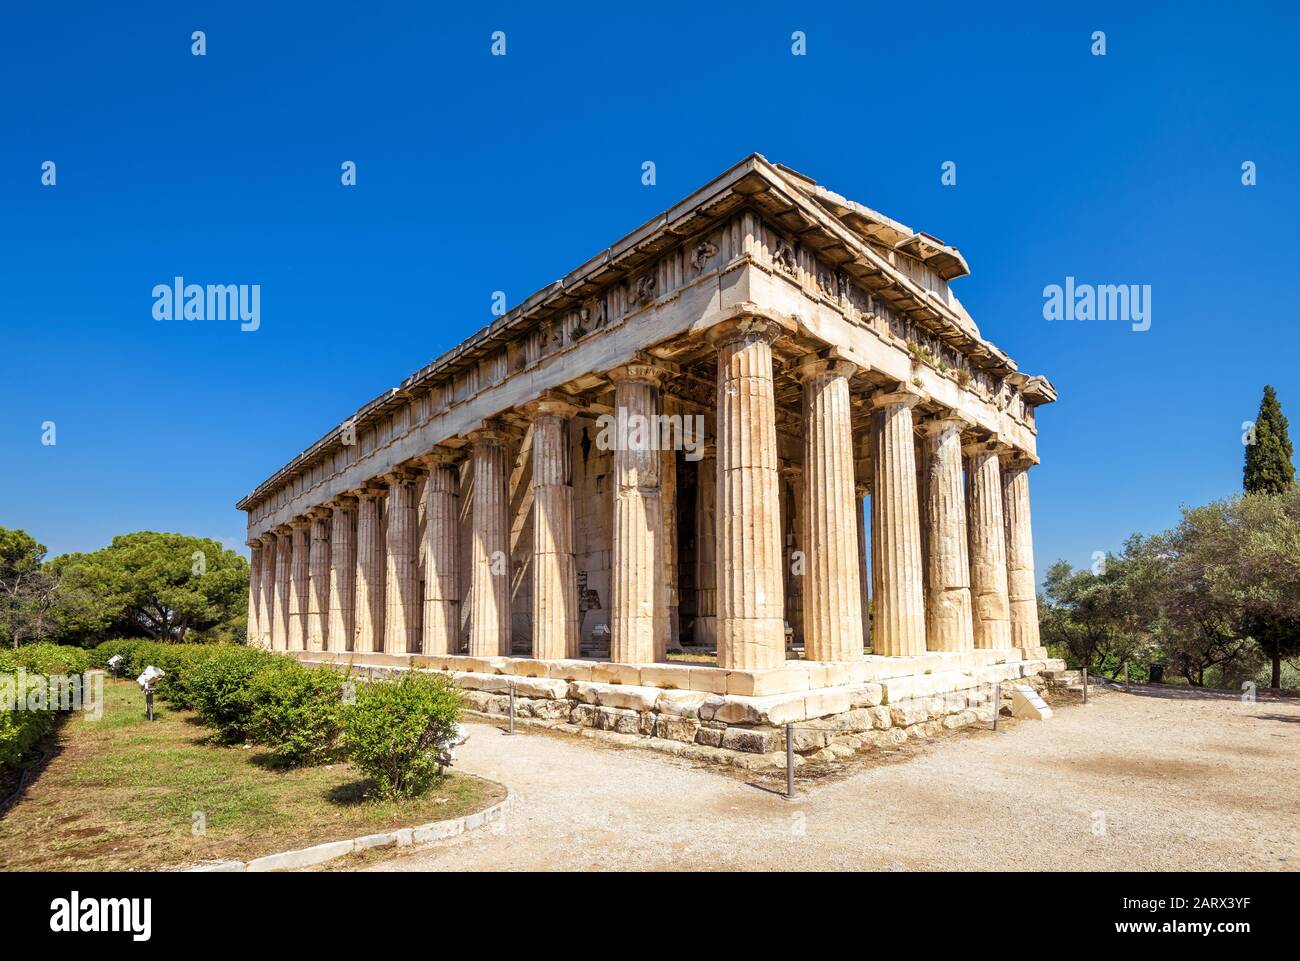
997, 704
1083, 672
511, 730
789, 761
1126, 677
148, 704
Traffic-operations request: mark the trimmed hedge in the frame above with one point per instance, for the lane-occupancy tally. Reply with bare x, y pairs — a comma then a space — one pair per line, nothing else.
100, 654
20, 730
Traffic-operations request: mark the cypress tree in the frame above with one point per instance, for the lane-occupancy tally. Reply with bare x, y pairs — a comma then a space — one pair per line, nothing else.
1268, 461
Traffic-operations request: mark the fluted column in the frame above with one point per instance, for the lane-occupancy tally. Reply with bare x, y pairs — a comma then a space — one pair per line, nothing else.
440, 627
253, 633
988, 551
266, 591
671, 630
283, 574
298, 573
638, 601
899, 624
342, 575
751, 623
794, 537
489, 623
1022, 592
861, 492
369, 613
948, 598
318, 579
832, 603
555, 575
705, 631
402, 600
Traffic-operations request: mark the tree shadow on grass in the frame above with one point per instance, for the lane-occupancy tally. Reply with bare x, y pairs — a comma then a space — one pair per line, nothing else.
351, 794
16, 782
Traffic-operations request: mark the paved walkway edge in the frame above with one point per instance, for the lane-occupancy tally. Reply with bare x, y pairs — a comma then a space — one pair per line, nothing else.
402, 837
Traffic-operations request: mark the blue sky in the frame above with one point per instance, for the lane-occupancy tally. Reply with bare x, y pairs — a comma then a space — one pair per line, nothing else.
479, 173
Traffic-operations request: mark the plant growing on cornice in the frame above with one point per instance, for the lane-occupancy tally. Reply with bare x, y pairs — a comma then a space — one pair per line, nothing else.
921, 353
963, 377
917, 382
578, 332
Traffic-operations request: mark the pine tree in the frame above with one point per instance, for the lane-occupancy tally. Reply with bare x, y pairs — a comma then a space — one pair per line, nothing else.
1268, 461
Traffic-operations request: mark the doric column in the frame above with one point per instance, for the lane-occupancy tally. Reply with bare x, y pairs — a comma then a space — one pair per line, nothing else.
266, 598
266, 592
1022, 592
342, 574
298, 572
253, 633
794, 537
283, 574
555, 575
489, 623
441, 626
832, 611
318, 579
369, 607
638, 601
705, 631
861, 491
948, 600
988, 551
668, 636
899, 626
402, 600
751, 623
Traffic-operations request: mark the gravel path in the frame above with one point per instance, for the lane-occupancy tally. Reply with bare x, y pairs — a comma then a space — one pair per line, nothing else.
1151, 780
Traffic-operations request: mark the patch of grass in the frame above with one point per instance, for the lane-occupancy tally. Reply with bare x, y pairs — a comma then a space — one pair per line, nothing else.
122, 793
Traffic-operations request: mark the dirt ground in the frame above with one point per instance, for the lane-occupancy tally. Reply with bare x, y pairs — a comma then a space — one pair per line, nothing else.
1156, 779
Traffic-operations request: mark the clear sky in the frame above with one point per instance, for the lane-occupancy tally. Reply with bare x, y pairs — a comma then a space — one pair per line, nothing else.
479, 173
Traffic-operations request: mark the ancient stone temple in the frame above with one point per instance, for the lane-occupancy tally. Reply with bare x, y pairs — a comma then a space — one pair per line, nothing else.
760, 426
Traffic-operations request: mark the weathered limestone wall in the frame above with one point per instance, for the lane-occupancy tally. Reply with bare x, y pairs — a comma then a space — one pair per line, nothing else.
737, 717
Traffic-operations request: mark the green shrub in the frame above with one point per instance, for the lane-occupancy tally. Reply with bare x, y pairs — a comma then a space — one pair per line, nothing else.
297, 712
216, 680
44, 658
100, 654
181, 662
19, 730
393, 729
142, 655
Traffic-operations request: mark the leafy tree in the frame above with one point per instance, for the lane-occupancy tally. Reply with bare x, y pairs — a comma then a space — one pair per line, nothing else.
1268, 467
169, 587
1104, 617
34, 601
1266, 560
1202, 594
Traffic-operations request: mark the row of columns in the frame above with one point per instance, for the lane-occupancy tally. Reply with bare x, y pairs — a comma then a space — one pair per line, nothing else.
951, 560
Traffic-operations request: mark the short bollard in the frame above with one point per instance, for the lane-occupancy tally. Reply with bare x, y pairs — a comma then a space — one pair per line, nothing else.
148, 704
997, 704
789, 761
1084, 673
511, 729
